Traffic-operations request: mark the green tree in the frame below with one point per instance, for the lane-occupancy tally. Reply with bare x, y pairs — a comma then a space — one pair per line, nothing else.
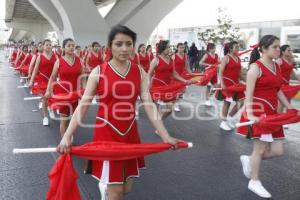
224, 30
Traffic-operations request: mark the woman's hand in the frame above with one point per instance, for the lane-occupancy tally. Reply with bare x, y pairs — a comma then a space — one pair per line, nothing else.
65, 144
172, 141
253, 118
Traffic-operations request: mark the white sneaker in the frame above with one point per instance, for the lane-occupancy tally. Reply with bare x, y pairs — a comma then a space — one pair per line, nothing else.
40, 105
258, 188
45, 121
177, 107
103, 191
286, 126
231, 122
224, 126
51, 114
208, 103
94, 101
245, 160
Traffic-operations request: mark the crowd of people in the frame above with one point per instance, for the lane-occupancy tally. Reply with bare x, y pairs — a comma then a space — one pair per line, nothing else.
121, 78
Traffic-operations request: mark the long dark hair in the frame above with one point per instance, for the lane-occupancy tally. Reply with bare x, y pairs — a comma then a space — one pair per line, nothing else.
283, 48
120, 29
264, 42
229, 46
65, 43
162, 45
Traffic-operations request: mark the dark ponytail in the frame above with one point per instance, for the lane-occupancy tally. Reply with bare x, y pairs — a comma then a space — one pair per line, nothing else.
228, 47
264, 43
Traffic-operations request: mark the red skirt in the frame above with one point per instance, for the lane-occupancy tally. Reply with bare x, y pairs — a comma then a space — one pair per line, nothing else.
260, 108
115, 172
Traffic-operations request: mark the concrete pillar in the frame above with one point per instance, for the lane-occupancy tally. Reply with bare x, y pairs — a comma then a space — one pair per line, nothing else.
83, 23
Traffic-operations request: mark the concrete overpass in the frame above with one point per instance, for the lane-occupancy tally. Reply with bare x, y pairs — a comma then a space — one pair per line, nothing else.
81, 20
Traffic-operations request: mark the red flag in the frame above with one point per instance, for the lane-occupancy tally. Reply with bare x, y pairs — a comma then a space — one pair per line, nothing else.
290, 90
273, 123
209, 74
168, 92
63, 176
63, 99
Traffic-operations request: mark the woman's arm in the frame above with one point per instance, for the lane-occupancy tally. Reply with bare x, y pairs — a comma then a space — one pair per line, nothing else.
80, 112
35, 71
252, 76
153, 65
221, 71
282, 98
202, 61
31, 65
52, 78
82, 76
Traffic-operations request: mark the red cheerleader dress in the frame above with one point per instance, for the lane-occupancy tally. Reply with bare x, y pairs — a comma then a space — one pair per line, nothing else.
231, 76
45, 69
265, 102
95, 60
118, 93
144, 61
21, 58
13, 56
68, 80
25, 67
212, 60
286, 69
162, 89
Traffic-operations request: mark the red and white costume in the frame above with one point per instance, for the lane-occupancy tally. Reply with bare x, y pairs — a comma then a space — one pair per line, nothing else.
265, 101
68, 80
117, 93
212, 60
231, 76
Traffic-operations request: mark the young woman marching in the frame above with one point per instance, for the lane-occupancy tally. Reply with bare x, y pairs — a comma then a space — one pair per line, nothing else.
70, 72
112, 123
210, 60
94, 57
229, 74
263, 91
162, 72
33, 59
143, 58
286, 64
149, 52
41, 74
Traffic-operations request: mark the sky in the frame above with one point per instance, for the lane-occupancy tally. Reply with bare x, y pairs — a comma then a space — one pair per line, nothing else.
199, 12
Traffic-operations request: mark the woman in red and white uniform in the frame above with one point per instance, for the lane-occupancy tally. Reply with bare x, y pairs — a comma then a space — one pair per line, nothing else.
161, 73
209, 61
118, 83
263, 92
78, 52
21, 56
94, 57
181, 62
13, 55
41, 74
286, 64
229, 74
149, 52
69, 71
33, 59
143, 58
